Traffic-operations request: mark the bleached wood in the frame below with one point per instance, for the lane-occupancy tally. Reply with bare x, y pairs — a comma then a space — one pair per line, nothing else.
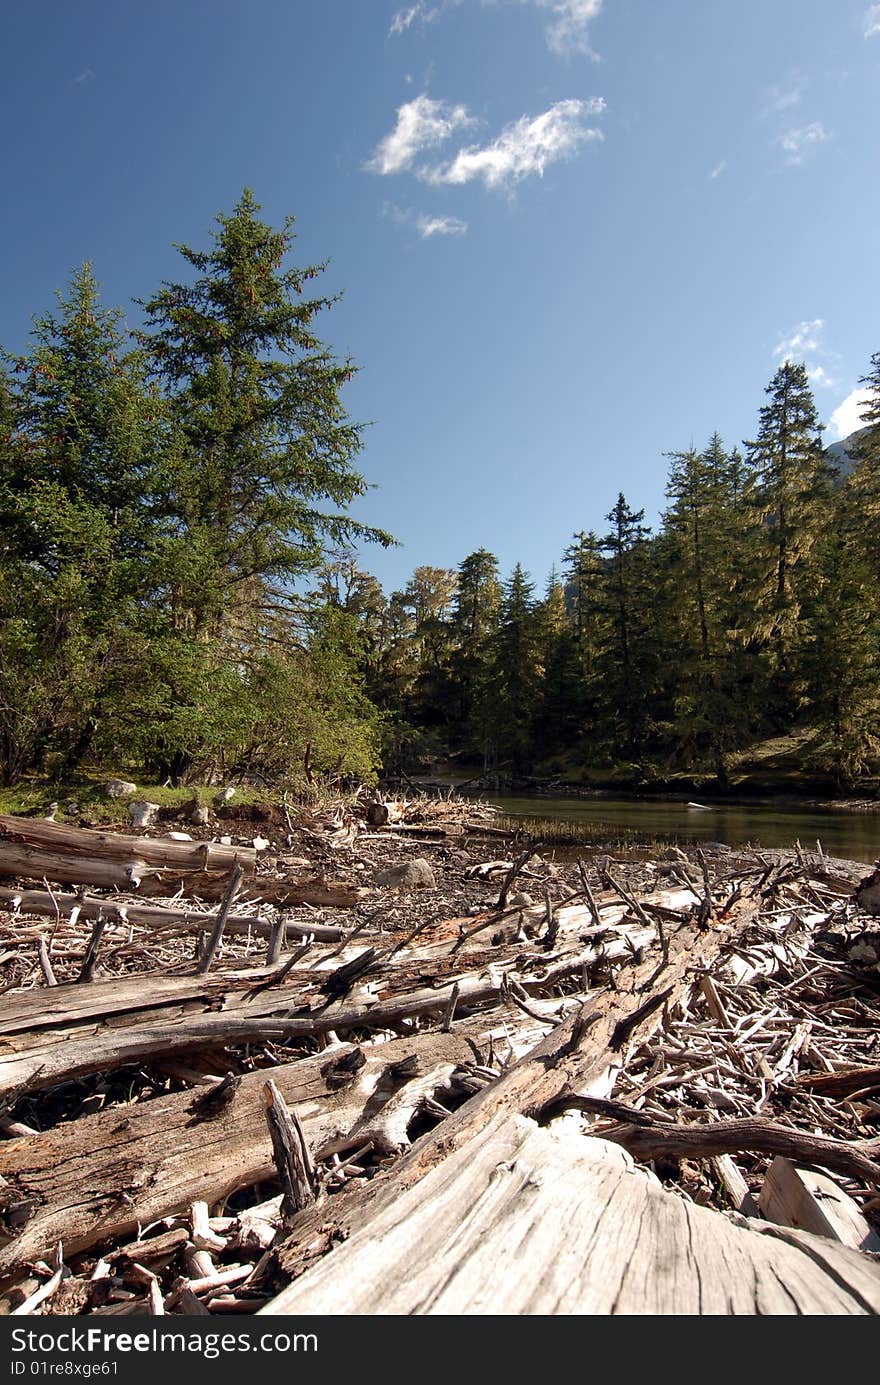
46, 905
46, 1054
523, 1221
106, 1174
38, 834
574, 1056
809, 1200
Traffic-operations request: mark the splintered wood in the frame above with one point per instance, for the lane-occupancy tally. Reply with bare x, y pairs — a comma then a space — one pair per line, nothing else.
654, 1089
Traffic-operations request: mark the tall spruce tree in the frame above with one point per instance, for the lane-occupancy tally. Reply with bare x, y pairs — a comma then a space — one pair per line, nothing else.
263, 468
864, 482
82, 452
511, 696
792, 495
628, 666
474, 623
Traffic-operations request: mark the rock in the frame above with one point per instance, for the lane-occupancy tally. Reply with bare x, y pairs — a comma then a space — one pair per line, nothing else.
142, 813
260, 843
226, 841
377, 814
521, 900
868, 893
119, 788
199, 817
179, 837
674, 853
224, 796
412, 875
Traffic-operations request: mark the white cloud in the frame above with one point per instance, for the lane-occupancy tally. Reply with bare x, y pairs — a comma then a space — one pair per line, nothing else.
872, 21
401, 21
420, 12
421, 123
720, 167
847, 417
87, 75
524, 147
800, 342
783, 98
818, 375
804, 344
798, 143
440, 226
568, 29
426, 225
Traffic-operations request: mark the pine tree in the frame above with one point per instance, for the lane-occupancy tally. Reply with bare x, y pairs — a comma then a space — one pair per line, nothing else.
792, 496
628, 666
864, 482
511, 695
703, 528
474, 623
265, 468
84, 446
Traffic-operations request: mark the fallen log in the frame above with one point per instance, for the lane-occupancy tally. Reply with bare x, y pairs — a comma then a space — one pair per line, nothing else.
88, 842
43, 1058
809, 1200
43, 903
648, 1140
38, 850
111, 1172
575, 1055
496, 1229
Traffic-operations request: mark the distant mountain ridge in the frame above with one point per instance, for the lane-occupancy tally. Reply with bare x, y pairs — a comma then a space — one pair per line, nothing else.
840, 454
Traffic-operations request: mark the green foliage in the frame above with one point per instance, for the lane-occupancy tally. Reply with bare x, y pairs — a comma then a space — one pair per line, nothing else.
158, 505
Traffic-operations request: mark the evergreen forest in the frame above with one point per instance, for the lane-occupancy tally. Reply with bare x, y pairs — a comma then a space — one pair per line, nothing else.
181, 589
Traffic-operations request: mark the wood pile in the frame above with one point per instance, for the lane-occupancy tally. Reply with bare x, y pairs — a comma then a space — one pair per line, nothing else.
527, 1086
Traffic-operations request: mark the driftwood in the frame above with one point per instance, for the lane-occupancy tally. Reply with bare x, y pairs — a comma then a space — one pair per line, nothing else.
496, 1229
34, 849
44, 904
38, 834
576, 1054
735, 1027
110, 1172
40, 1053
648, 1140
809, 1200
291, 1153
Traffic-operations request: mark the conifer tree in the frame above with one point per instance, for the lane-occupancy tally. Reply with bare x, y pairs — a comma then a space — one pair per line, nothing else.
627, 666
704, 532
516, 672
792, 494
263, 466
83, 449
474, 623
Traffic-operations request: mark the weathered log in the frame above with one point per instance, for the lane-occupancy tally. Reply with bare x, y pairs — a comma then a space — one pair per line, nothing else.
648, 1140
498, 1229
39, 1056
108, 1173
44, 904
574, 1056
58, 837
809, 1200
290, 1151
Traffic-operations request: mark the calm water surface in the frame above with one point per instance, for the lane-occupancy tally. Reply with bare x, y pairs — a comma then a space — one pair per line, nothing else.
855, 836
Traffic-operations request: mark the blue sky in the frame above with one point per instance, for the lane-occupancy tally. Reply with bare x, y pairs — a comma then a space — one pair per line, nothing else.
572, 235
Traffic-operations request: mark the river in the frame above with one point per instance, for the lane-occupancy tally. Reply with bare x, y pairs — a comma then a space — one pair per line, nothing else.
852, 835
